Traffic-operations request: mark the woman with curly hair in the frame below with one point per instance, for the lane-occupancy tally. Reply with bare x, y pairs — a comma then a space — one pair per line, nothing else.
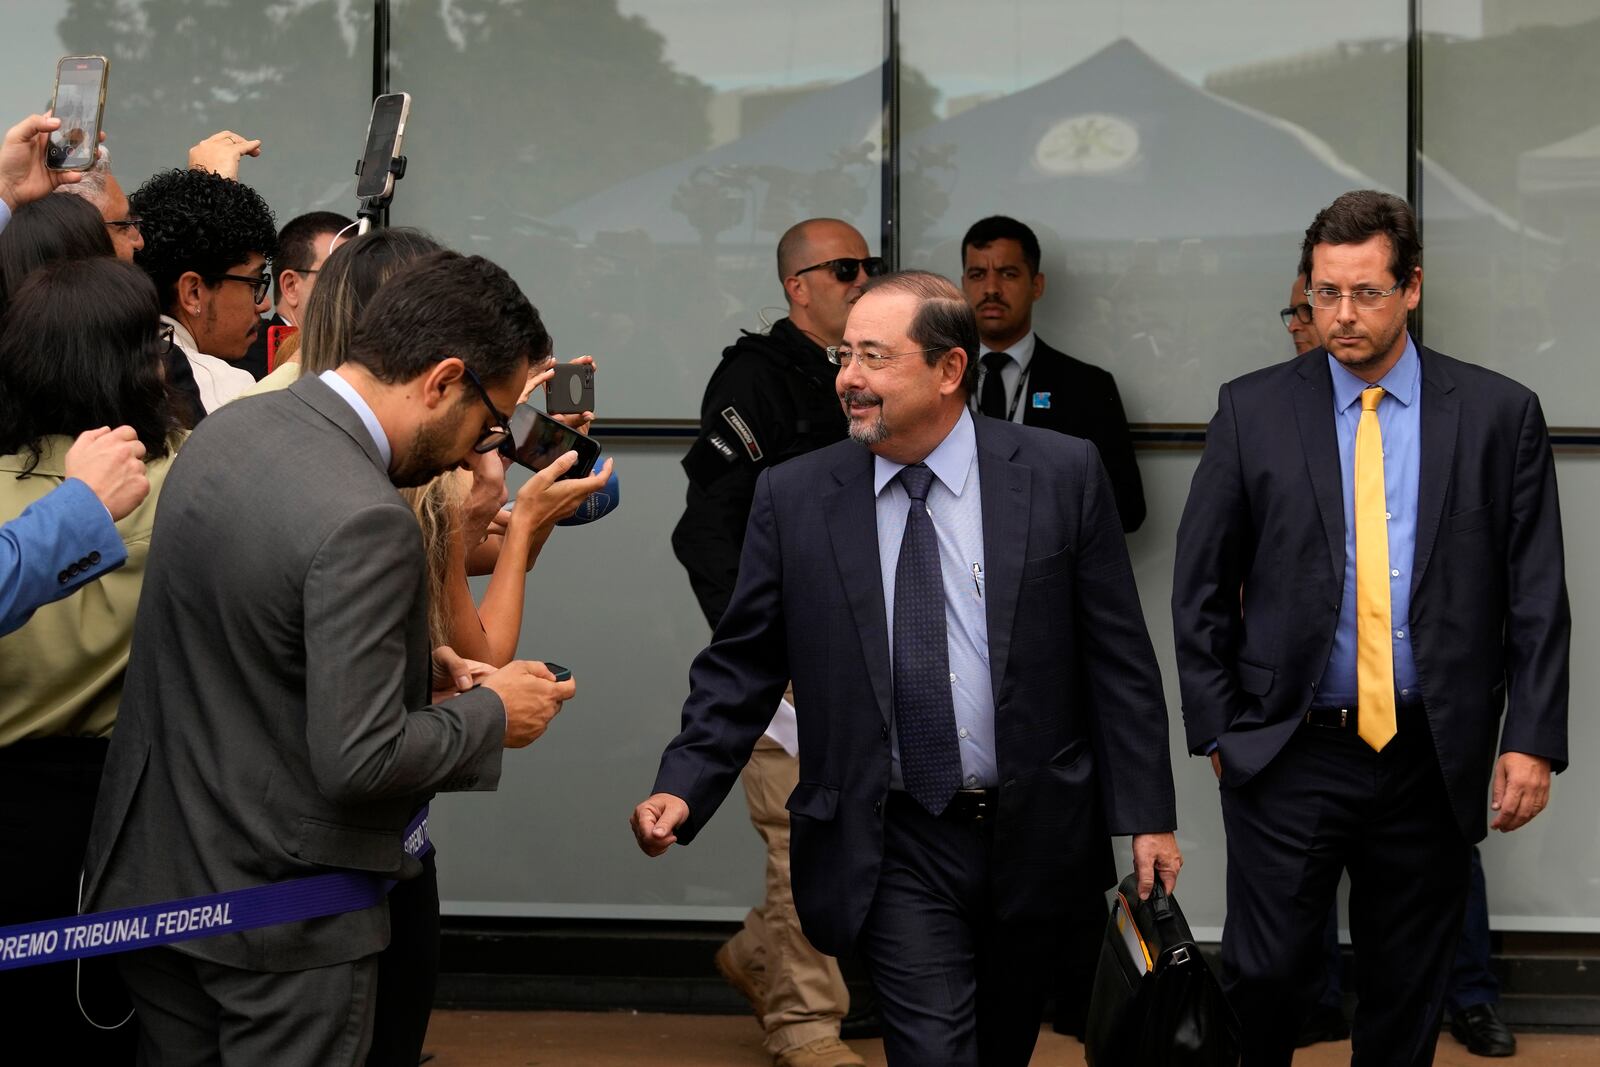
82, 349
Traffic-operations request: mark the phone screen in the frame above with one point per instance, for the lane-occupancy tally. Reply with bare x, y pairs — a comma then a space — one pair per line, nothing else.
540, 440
77, 105
388, 111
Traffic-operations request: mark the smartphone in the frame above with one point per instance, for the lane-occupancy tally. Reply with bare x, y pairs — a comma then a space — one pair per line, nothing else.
562, 673
80, 103
276, 335
571, 391
537, 440
385, 130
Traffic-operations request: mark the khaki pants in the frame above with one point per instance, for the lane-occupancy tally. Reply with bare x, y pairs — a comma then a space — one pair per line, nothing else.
806, 995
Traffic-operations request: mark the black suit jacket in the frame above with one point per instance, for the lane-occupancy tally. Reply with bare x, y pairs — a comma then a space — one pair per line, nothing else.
1080, 721
1260, 572
1084, 402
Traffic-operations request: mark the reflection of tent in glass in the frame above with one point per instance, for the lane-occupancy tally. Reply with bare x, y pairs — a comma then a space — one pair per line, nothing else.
1568, 166
816, 157
1171, 217
1120, 148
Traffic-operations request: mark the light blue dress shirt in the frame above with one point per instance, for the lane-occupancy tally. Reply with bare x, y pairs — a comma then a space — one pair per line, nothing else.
363, 410
956, 507
1400, 423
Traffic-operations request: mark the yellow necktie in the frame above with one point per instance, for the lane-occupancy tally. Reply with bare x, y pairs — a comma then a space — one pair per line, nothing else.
1374, 648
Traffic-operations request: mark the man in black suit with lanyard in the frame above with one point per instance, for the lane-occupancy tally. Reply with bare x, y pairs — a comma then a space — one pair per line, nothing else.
1022, 379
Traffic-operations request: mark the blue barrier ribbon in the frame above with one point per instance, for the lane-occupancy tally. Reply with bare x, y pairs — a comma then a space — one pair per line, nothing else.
128, 929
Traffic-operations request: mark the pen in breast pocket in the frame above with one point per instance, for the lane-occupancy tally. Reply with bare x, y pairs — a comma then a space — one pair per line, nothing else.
977, 579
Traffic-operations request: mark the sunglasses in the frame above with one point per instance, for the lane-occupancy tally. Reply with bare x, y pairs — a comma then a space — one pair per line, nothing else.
846, 269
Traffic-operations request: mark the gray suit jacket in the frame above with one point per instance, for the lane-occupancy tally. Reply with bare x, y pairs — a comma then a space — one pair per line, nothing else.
275, 720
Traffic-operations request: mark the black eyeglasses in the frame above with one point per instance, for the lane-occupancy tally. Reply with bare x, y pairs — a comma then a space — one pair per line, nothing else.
130, 223
1299, 311
498, 435
259, 284
846, 269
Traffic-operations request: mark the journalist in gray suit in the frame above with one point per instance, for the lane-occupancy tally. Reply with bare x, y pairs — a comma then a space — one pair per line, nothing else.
277, 719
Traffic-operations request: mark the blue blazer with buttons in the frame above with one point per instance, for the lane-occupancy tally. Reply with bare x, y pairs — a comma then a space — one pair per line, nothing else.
59, 543
1080, 721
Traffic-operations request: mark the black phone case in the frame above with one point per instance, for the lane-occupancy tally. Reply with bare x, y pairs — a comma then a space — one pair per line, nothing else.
570, 379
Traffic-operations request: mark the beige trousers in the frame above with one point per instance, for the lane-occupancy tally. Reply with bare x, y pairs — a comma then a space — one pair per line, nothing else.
806, 996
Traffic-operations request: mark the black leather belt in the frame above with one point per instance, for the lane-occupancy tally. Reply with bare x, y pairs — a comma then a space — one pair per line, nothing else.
1344, 718
1332, 718
973, 805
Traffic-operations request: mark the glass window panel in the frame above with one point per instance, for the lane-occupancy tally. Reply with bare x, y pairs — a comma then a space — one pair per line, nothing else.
1511, 194
1169, 156
297, 76
633, 164
1511, 130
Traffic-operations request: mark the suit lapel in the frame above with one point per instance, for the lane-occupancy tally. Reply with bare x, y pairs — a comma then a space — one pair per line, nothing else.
1441, 415
320, 397
1006, 502
852, 514
1313, 410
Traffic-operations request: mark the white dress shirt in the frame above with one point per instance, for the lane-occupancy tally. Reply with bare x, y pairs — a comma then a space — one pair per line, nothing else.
1011, 375
219, 380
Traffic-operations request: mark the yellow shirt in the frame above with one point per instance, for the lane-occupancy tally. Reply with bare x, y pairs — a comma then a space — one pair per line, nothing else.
61, 672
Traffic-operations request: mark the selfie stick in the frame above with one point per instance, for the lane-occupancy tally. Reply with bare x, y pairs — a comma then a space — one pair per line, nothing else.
372, 207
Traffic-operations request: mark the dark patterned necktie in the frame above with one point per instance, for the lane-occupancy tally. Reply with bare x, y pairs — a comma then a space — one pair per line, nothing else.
924, 711
992, 397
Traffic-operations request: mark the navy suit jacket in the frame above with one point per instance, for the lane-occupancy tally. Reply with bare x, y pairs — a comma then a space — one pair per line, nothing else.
1084, 402
1260, 571
1080, 721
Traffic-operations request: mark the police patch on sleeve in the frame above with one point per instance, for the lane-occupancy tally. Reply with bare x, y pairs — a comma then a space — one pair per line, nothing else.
710, 458
746, 436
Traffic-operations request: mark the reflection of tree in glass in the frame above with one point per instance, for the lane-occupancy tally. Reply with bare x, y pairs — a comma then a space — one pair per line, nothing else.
182, 70
539, 103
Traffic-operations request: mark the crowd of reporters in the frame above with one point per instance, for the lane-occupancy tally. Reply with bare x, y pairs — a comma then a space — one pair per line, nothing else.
128, 321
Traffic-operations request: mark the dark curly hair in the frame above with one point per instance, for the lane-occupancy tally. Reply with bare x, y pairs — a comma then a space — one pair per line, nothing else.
80, 349
43, 231
200, 221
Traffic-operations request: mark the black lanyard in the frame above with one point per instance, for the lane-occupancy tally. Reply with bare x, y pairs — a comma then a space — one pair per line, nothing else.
1017, 393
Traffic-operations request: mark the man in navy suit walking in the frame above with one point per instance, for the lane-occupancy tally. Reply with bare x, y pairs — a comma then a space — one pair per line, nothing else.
1369, 573
980, 707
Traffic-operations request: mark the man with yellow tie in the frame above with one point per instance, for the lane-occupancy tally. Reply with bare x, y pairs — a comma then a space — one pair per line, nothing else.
1368, 573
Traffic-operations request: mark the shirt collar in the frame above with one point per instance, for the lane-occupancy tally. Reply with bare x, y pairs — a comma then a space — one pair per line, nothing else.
1401, 382
363, 410
1022, 351
181, 334
950, 461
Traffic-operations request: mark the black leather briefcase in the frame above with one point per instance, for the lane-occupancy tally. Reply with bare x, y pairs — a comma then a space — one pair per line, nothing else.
1156, 1002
